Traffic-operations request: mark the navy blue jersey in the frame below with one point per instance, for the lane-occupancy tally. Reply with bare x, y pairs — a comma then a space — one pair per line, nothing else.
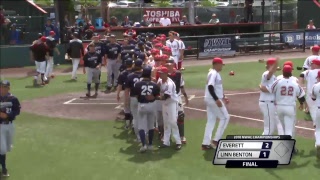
122, 79
51, 43
143, 89
132, 42
99, 47
148, 45
113, 50
92, 60
9, 105
133, 78
127, 52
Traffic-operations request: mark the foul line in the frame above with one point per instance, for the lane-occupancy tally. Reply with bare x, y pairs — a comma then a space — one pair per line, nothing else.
68, 102
95, 103
248, 118
232, 94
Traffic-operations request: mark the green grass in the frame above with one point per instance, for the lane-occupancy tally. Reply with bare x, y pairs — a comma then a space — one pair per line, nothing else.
52, 148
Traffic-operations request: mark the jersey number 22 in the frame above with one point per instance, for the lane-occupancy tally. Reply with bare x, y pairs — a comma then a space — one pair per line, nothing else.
146, 90
286, 91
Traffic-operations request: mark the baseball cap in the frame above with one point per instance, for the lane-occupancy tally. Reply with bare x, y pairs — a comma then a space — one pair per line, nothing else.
141, 56
143, 35
287, 69
271, 61
163, 38
158, 45
39, 35
129, 61
140, 43
4, 83
290, 63
150, 35
217, 60
130, 34
315, 48
155, 41
163, 35
52, 33
146, 72
91, 27
162, 69
164, 57
155, 51
138, 63
171, 60
166, 49
157, 57
43, 39
316, 62
158, 38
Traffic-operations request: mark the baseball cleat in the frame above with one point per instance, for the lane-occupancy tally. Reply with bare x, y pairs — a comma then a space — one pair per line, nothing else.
318, 152
162, 146
52, 76
95, 95
150, 147
184, 140
214, 144
143, 149
35, 82
206, 147
178, 146
5, 173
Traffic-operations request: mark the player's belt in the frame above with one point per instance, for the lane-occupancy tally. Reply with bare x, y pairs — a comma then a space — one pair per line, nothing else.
5, 122
268, 101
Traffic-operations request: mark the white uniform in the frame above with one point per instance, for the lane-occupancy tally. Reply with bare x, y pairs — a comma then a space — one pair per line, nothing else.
286, 91
175, 50
307, 62
316, 95
181, 47
213, 111
267, 106
311, 77
169, 111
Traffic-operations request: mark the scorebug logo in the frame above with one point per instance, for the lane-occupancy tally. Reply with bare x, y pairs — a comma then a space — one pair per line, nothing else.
317, 2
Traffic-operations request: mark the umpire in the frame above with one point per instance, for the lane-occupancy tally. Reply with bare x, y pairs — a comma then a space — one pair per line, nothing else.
9, 109
92, 64
113, 53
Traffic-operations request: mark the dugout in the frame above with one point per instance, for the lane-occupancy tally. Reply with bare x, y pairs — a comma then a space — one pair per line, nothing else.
28, 17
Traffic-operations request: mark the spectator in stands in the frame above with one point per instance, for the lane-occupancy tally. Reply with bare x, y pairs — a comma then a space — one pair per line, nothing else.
2, 24
106, 24
48, 27
87, 25
57, 32
197, 21
114, 21
145, 22
311, 25
165, 21
89, 33
184, 21
126, 22
214, 19
14, 35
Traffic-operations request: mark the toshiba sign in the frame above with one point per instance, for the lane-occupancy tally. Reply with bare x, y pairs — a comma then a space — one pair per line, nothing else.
155, 14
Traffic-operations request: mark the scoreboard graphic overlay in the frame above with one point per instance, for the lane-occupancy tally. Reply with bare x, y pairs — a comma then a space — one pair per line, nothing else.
254, 151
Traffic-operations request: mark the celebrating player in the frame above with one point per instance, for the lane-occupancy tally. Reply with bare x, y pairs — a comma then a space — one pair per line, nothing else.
286, 91
315, 55
266, 100
215, 101
316, 97
147, 92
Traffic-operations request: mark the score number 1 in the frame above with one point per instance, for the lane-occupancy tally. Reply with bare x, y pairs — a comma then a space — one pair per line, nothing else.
264, 154
266, 145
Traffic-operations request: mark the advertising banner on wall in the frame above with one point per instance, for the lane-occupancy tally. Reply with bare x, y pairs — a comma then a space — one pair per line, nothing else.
296, 39
154, 14
217, 46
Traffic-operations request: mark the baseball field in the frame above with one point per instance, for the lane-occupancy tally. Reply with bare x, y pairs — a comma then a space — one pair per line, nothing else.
60, 136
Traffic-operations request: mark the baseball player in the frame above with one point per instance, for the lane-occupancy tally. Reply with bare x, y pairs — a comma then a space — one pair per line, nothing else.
130, 96
286, 91
75, 51
39, 53
177, 78
147, 92
121, 87
92, 64
182, 47
52, 45
316, 98
315, 55
9, 109
150, 38
216, 105
113, 61
174, 45
266, 100
170, 101
311, 77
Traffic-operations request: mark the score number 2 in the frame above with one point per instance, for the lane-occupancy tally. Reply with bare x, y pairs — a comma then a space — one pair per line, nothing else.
266, 145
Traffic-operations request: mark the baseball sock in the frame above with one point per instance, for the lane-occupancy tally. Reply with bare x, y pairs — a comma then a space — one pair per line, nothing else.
181, 128
89, 87
3, 161
142, 137
42, 78
96, 87
150, 136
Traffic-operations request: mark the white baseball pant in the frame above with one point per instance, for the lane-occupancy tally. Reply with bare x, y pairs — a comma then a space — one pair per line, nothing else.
268, 109
317, 132
214, 112
170, 115
312, 108
6, 137
41, 66
287, 116
50, 64
146, 116
279, 125
159, 117
75, 64
135, 115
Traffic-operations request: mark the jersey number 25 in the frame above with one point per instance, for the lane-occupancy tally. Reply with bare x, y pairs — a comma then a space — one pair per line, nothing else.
286, 91
146, 90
